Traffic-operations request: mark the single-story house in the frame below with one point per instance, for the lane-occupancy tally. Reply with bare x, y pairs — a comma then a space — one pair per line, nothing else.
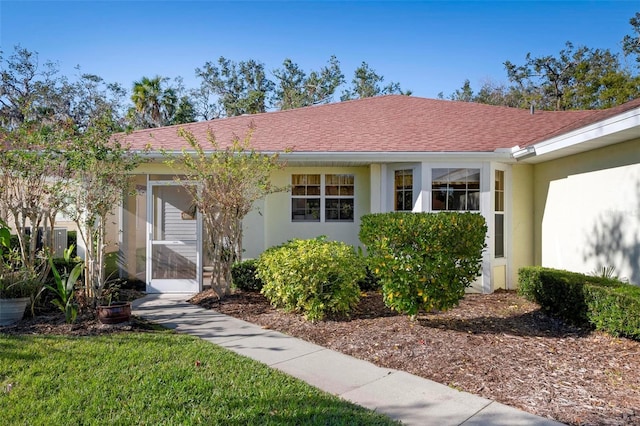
558, 189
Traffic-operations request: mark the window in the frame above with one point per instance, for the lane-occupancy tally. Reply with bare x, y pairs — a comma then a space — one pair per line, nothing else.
305, 198
499, 214
403, 190
331, 194
455, 189
339, 191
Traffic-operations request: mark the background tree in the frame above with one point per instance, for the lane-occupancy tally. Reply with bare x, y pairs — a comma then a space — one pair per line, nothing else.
499, 94
232, 179
35, 92
242, 87
581, 78
367, 83
631, 42
464, 94
205, 102
490, 93
294, 89
158, 103
28, 89
185, 111
88, 98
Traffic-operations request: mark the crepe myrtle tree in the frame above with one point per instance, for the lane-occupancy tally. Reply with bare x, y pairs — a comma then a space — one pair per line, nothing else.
232, 178
32, 187
100, 167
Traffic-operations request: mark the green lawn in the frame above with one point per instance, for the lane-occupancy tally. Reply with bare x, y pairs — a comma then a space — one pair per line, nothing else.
154, 378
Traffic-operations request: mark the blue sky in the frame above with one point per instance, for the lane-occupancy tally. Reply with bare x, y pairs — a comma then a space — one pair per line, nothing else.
426, 46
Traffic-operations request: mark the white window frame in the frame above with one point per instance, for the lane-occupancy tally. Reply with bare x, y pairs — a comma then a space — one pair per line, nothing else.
417, 185
433, 167
323, 197
496, 212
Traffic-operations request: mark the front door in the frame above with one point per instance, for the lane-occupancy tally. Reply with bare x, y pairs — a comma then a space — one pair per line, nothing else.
173, 249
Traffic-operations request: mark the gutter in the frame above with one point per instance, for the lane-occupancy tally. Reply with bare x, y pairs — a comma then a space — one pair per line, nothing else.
609, 131
520, 154
364, 157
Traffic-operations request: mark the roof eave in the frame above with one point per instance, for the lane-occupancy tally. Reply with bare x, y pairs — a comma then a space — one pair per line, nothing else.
616, 129
364, 158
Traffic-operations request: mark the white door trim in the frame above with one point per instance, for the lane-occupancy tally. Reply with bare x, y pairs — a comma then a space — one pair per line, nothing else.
170, 285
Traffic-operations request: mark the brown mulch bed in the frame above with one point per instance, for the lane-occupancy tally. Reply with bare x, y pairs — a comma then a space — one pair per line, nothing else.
498, 346
49, 320
86, 325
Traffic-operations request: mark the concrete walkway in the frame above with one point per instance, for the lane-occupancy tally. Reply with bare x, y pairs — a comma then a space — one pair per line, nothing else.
402, 396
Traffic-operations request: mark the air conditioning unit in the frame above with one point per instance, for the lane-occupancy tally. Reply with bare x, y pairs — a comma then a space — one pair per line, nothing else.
59, 241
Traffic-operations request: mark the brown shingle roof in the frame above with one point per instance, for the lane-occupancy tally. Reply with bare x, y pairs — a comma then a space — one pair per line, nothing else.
393, 123
593, 117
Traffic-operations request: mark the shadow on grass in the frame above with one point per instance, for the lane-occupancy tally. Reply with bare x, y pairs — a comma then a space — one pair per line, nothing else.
13, 348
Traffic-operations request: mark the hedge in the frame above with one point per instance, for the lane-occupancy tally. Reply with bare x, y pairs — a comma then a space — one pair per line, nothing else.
599, 303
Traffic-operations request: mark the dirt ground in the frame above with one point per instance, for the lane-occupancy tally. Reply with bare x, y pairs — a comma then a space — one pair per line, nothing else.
498, 346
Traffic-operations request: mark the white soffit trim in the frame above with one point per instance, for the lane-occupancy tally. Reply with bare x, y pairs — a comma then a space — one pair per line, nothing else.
619, 128
374, 157
391, 157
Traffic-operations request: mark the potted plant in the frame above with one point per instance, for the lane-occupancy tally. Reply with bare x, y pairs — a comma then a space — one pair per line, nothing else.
16, 285
16, 289
111, 311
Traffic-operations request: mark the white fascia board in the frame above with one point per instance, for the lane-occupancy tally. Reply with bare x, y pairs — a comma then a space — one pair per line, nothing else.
618, 123
393, 157
369, 157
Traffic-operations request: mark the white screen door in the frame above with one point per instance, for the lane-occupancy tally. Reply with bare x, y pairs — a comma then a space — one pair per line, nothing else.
174, 248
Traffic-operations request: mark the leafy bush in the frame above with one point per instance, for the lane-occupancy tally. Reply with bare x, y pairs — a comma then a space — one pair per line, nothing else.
615, 310
64, 288
18, 284
602, 303
313, 277
424, 260
72, 241
559, 293
370, 282
243, 275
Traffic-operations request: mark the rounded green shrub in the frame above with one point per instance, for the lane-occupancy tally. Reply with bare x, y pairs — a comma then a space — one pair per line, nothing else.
243, 275
314, 277
425, 261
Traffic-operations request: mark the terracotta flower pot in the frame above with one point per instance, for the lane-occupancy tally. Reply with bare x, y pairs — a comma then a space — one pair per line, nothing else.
115, 313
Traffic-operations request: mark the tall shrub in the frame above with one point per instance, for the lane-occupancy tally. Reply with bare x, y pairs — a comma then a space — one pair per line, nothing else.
424, 260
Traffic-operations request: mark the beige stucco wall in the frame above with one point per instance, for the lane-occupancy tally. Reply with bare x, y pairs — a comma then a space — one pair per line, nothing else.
270, 223
498, 276
522, 230
587, 211
277, 211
